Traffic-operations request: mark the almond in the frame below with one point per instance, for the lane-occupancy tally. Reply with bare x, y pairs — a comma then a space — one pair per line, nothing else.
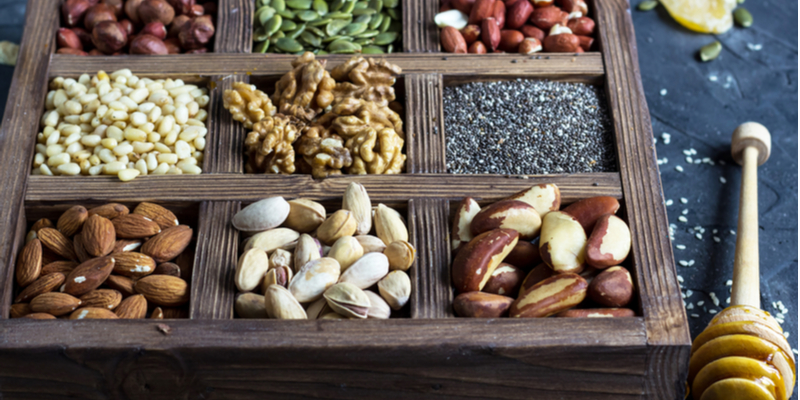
58, 243
133, 307
518, 13
29, 264
42, 223
490, 33
64, 267
168, 244
45, 284
98, 236
107, 299
92, 313
545, 17
135, 226
89, 275
481, 10
163, 290
168, 268
54, 303
158, 214
72, 220
48, 256
80, 249
123, 245
453, 41
133, 265
122, 284
39, 316
563, 43
20, 310
110, 210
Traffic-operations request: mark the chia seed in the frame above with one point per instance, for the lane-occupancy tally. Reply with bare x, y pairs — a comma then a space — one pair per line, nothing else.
527, 127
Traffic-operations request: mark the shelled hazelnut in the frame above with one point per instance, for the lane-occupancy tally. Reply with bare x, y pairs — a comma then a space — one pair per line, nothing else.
112, 27
493, 270
506, 25
105, 262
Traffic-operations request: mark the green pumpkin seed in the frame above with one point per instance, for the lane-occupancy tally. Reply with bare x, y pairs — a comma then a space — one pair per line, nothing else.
278, 5
315, 30
273, 25
274, 38
260, 35
385, 38
385, 24
262, 3
299, 4
647, 5
391, 3
367, 34
322, 53
335, 38
363, 11
743, 17
307, 15
288, 25
309, 38
295, 33
342, 46
394, 14
263, 14
376, 5
353, 29
363, 41
361, 5
372, 50
710, 51
363, 19
261, 47
390, 48
349, 7
375, 21
289, 45
336, 5
335, 26
286, 13
320, 6
339, 15
320, 21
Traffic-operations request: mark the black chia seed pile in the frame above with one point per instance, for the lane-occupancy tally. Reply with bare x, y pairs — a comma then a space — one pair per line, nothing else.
527, 127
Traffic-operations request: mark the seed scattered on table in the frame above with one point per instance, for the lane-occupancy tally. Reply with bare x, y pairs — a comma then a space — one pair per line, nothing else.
527, 127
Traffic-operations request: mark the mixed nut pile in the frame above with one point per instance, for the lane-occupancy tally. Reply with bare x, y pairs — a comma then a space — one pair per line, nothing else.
105, 262
327, 26
115, 27
321, 122
310, 265
515, 26
121, 125
498, 269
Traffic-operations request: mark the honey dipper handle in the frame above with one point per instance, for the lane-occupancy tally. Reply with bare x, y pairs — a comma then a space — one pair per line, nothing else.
750, 147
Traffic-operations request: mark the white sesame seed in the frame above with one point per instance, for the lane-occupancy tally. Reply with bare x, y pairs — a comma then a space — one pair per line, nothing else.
680, 247
700, 303
687, 152
729, 282
717, 239
663, 92
668, 202
683, 219
689, 293
680, 279
723, 180
728, 300
683, 263
691, 262
697, 161
693, 151
712, 311
690, 306
712, 78
684, 200
698, 236
733, 232
714, 231
695, 315
688, 160
794, 351
679, 168
786, 334
707, 160
685, 211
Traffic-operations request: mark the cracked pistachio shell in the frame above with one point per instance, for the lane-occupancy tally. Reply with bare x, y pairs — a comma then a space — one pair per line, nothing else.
367, 271
357, 200
305, 215
307, 249
250, 270
378, 308
269, 241
346, 251
314, 278
280, 304
262, 215
280, 276
389, 225
395, 288
347, 300
371, 244
339, 224
318, 308
401, 255
281, 258
250, 305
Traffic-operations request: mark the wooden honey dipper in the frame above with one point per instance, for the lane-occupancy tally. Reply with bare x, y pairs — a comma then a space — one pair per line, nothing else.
742, 354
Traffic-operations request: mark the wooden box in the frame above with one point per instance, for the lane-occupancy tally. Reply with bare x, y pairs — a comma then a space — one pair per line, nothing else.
429, 355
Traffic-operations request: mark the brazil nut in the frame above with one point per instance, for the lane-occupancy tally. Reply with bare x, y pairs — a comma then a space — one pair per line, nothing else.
588, 211
505, 280
609, 243
596, 313
461, 224
562, 244
544, 198
481, 305
474, 264
525, 255
508, 214
538, 274
550, 296
612, 287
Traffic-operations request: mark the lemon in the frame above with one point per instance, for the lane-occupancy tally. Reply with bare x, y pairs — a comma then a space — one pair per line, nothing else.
707, 16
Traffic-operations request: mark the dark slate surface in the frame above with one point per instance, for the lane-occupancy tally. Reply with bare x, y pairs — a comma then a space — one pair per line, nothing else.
702, 105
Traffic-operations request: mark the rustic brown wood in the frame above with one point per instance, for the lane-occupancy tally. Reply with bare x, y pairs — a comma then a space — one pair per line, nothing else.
424, 124
428, 224
233, 32
659, 292
420, 34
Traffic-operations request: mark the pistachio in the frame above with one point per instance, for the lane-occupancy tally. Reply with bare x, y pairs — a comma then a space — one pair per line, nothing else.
269, 241
346, 251
389, 225
357, 200
401, 255
378, 308
347, 300
307, 250
250, 269
367, 271
314, 278
280, 304
262, 215
318, 308
280, 258
339, 224
305, 215
710, 51
371, 244
280, 276
743, 17
647, 5
250, 305
395, 288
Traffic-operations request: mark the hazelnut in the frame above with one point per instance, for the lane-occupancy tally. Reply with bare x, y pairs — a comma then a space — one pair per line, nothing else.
196, 33
182, 7
177, 24
173, 45
156, 29
210, 8
116, 5
67, 50
84, 36
127, 25
132, 10
67, 38
97, 14
156, 10
148, 44
73, 11
109, 36
197, 10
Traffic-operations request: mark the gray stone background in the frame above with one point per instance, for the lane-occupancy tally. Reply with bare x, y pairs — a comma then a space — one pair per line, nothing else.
699, 105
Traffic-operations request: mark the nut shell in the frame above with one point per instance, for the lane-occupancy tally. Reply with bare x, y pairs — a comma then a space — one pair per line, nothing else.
156, 11
262, 215
339, 224
109, 37
305, 215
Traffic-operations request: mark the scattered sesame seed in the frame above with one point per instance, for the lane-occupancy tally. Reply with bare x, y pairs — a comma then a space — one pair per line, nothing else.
728, 300
691, 262
690, 306
697, 161
794, 351
695, 315
712, 78
683, 263
754, 46
733, 232
688, 160
698, 236
723, 180
687, 152
700, 303
680, 279
693, 151
679, 168
712, 311
685, 212
663, 92
680, 247
689, 293
666, 137
684, 200
717, 239
729, 282
683, 219
668, 202
786, 334
714, 231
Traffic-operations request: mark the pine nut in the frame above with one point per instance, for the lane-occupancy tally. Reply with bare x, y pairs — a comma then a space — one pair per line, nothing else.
128, 174
69, 169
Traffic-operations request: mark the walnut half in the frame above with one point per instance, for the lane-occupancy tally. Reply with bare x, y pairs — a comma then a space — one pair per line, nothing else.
269, 146
306, 90
247, 104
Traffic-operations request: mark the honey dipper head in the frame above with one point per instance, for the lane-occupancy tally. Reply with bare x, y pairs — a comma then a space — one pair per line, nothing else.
751, 134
